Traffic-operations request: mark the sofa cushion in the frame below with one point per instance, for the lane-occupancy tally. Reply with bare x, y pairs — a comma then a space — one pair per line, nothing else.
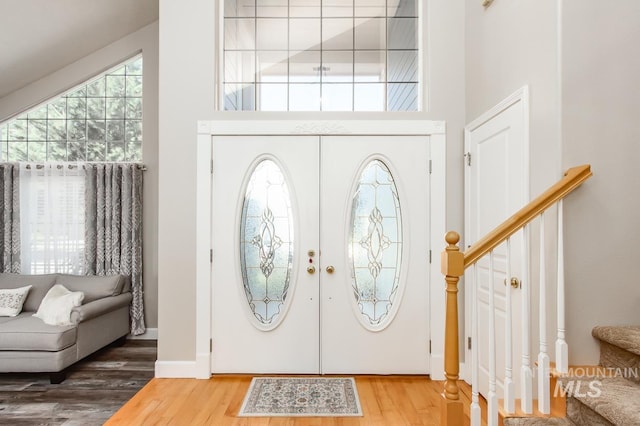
7, 319
56, 306
28, 333
93, 287
12, 299
40, 286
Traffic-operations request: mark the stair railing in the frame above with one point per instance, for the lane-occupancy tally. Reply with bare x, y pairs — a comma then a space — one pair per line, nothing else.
453, 266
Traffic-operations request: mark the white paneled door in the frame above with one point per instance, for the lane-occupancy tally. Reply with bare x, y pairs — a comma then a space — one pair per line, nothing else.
496, 187
321, 251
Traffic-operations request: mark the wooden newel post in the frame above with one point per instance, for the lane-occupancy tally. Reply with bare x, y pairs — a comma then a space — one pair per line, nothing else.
452, 266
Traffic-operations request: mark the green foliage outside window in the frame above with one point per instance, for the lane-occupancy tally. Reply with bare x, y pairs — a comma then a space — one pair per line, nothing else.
100, 120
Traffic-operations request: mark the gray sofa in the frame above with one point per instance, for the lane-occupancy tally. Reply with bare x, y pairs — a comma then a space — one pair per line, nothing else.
27, 344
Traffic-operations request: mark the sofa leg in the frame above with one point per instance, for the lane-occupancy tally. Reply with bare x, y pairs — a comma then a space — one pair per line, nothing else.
57, 377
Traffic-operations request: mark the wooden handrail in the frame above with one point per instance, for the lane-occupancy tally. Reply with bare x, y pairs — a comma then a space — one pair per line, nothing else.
573, 178
454, 263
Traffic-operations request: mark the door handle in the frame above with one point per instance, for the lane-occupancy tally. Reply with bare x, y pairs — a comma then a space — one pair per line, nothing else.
515, 282
330, 269
311, 269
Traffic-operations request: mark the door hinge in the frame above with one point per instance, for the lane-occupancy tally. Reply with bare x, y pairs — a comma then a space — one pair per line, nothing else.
429, 346
210, 345
430, 166
429, 256
468, 157
469, 343
212, 166
211, 256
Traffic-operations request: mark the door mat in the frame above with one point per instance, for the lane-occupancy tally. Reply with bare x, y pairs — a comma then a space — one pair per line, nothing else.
301, 397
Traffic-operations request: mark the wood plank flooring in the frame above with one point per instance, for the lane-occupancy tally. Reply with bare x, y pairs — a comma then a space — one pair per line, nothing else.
95, 388
385, 400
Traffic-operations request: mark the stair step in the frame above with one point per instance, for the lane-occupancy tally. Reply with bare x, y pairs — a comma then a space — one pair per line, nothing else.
612, 399
620, 350
537, 421
582, 371
625, 337
556, 417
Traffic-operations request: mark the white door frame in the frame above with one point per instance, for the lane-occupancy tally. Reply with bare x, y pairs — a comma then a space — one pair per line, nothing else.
435, 130
520, 95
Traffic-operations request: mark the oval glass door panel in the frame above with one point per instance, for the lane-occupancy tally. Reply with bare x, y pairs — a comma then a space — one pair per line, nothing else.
266, 244
375, 245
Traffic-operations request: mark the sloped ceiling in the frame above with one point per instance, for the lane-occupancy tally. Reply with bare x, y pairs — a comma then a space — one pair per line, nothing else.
38, 37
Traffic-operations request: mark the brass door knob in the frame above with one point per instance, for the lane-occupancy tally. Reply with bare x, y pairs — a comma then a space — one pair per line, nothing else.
311, 269
515, 282
330, 269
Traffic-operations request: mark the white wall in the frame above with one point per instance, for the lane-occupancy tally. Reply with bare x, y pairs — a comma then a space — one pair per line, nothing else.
187, 81
144, 40
508, 45
187, 70
601, 126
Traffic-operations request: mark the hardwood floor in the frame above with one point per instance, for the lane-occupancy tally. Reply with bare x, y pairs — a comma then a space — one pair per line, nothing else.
98, 386
385, 400
94, 389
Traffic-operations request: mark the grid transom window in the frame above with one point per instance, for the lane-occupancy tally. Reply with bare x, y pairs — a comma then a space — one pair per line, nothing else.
100, 120
321, 55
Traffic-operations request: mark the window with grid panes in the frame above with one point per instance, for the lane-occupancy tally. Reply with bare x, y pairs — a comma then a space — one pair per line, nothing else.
100, 120
321, 55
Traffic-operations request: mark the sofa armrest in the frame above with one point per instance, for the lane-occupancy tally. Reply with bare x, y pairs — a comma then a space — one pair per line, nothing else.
100, 307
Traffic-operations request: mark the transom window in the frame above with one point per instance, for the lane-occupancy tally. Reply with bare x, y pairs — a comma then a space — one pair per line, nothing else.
321, 55
100, 120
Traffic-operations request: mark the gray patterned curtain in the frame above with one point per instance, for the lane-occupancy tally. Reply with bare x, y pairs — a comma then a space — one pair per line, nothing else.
113, 227
10, 214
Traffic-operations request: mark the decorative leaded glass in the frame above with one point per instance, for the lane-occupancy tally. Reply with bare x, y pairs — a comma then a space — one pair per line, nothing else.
375, 243
266, 242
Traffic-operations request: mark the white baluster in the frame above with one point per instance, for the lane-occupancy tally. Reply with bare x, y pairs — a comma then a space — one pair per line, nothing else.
476, 414
543, 358
526, 374
492, 398
562, 350
509, 397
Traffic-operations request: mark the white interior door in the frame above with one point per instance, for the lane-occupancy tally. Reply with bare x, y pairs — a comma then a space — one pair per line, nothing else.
321, 251
496, 187
265, 220
374, 236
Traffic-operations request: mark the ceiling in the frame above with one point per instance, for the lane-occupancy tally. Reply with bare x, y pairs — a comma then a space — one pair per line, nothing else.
38, 37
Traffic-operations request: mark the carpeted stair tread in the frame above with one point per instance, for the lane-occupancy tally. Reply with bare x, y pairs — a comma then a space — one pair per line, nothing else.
625, 337
618, 400
537, 421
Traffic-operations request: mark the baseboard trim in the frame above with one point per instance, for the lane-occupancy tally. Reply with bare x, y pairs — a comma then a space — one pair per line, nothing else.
437, 367
149, 334
175, 369
203, 366
465, 374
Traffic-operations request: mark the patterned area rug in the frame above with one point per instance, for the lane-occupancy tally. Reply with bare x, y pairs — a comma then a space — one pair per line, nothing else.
301, 396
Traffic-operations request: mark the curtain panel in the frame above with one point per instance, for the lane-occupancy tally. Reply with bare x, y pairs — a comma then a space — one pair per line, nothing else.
10, 214
52, 218
113, 227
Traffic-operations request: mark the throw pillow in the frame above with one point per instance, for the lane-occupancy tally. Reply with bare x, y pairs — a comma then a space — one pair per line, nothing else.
11, 300
55, 308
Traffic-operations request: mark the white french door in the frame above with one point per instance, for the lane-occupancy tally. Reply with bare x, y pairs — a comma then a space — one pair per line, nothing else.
273, 330
389, 246
320, 254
